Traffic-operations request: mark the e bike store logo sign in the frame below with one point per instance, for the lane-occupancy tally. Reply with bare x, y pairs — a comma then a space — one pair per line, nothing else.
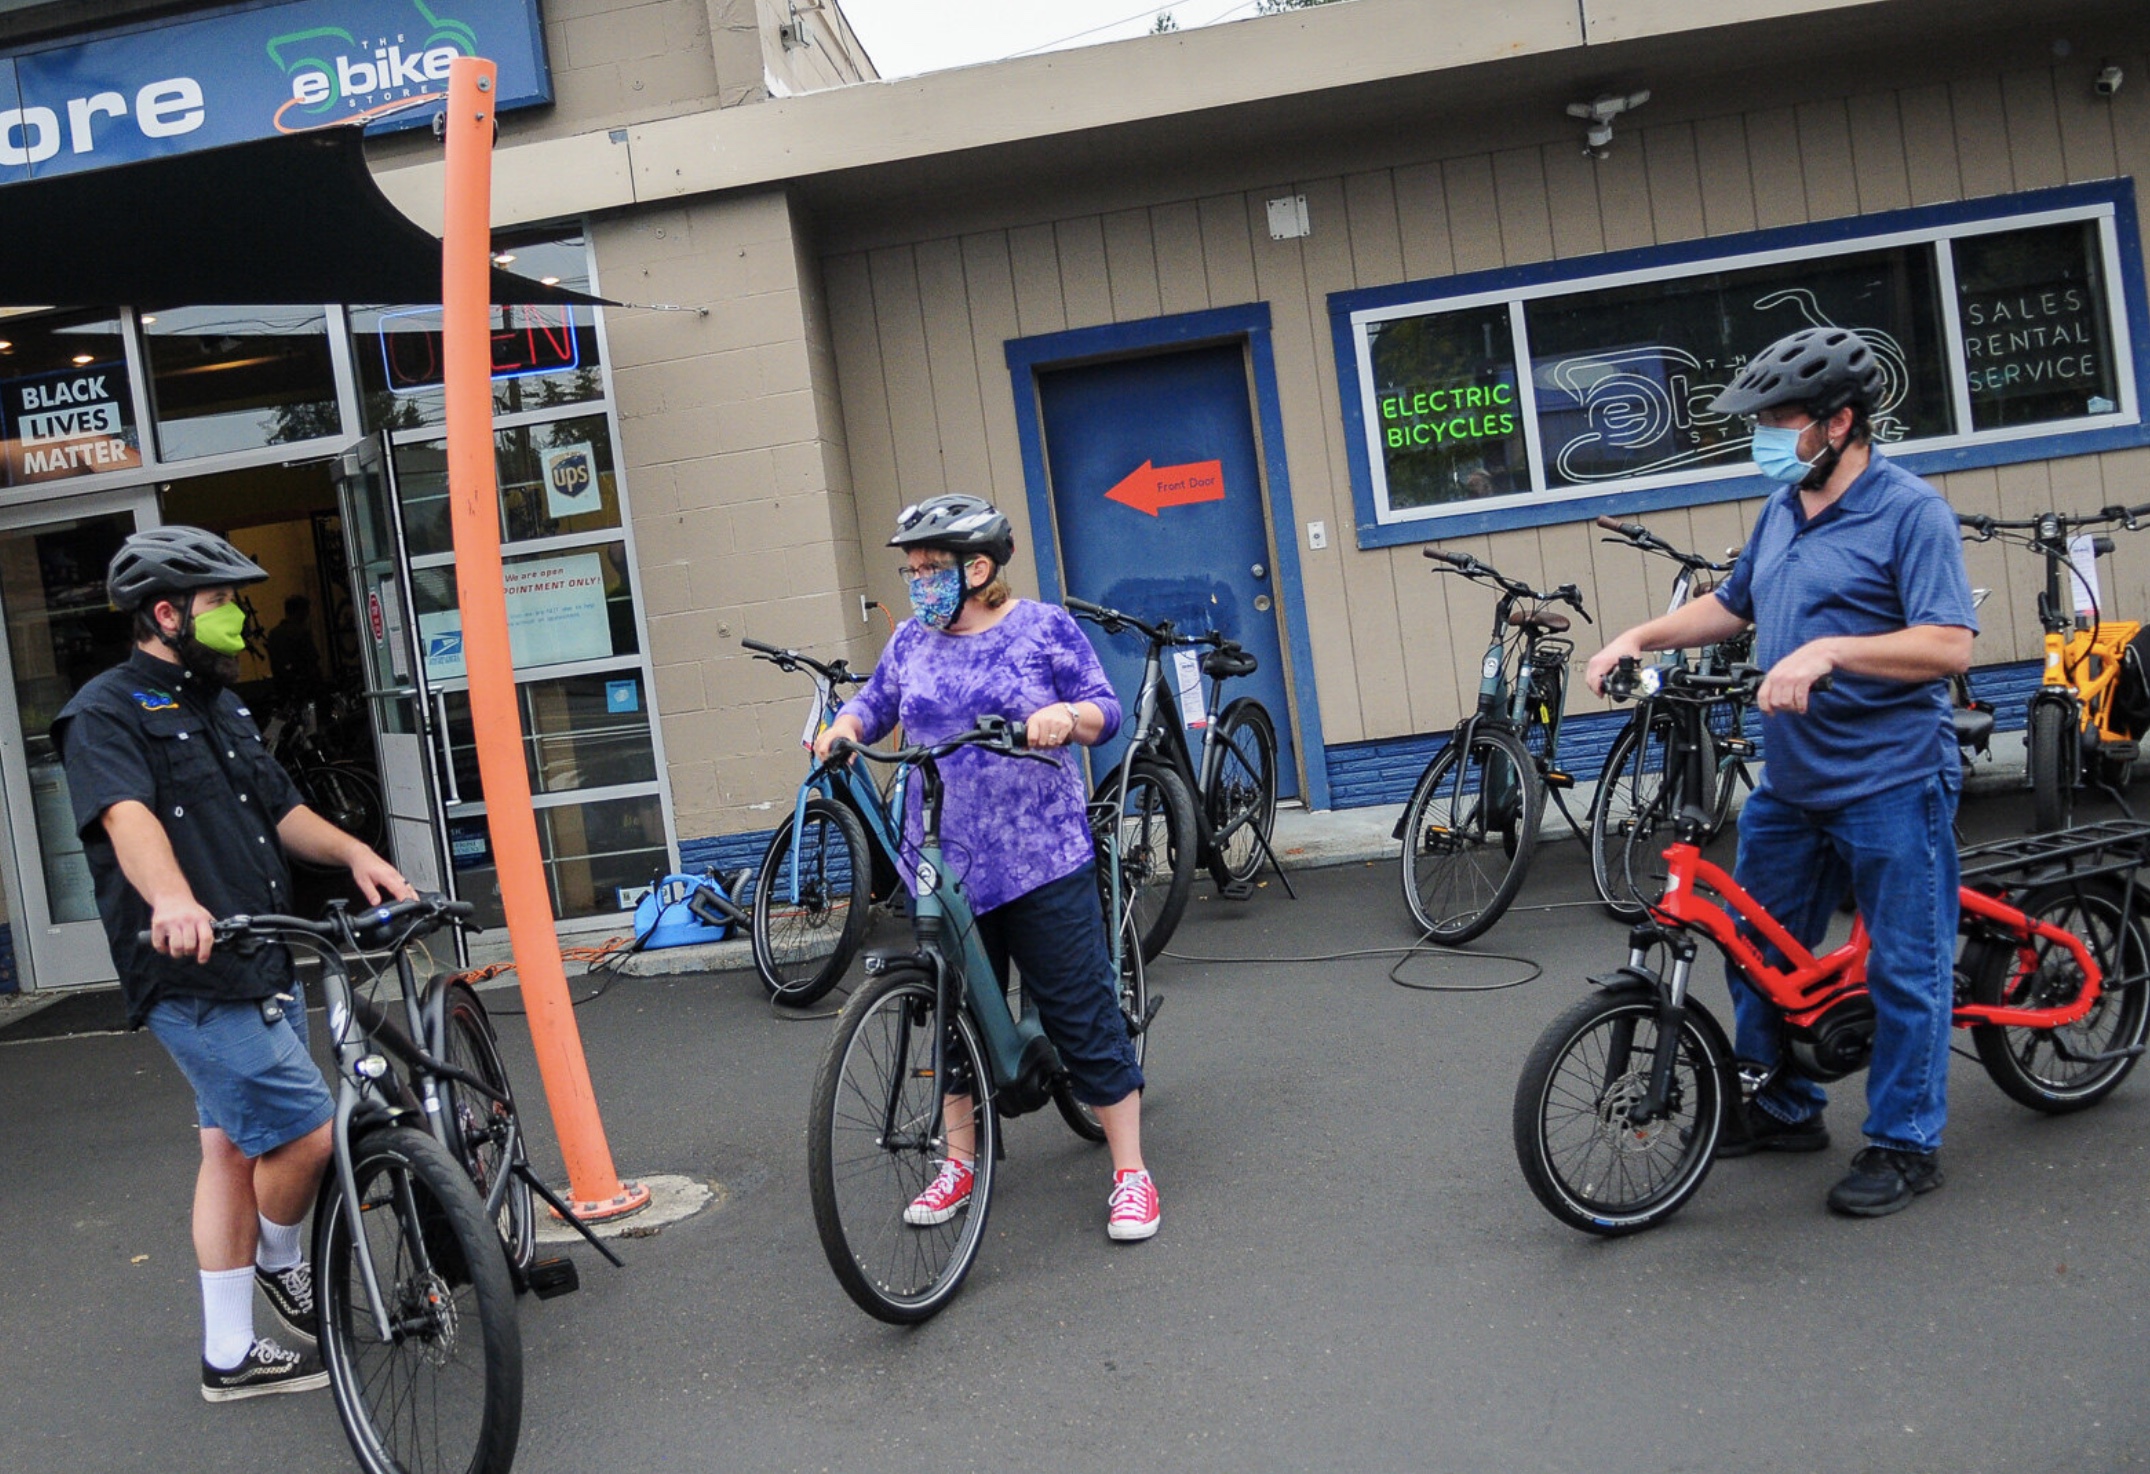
237, 75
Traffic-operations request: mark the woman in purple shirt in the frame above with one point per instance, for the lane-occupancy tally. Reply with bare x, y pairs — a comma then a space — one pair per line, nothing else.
1017, 833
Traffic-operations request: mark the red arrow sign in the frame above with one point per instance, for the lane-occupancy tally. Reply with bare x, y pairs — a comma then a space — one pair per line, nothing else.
1149, 487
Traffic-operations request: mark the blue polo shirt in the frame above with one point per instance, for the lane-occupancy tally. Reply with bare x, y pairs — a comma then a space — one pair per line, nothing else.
1884, 556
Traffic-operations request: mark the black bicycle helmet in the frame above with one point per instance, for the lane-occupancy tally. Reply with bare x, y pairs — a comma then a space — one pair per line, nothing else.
956, 522
175, 560
1818, 369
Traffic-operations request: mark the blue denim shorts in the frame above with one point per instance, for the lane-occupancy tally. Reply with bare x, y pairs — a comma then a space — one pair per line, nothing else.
253, 1080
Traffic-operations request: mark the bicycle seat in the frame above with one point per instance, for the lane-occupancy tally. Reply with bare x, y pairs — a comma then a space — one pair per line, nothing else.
1545, 621
1227, 661
1973, 728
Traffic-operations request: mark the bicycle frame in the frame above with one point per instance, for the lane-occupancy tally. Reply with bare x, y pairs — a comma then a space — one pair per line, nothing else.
845, 784
1161, 729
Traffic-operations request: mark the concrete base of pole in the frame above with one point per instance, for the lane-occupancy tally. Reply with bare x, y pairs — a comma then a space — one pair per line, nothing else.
670, 1197
632, 1198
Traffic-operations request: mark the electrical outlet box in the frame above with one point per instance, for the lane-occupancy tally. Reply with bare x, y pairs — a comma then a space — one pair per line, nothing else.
1317, 535
1288, 219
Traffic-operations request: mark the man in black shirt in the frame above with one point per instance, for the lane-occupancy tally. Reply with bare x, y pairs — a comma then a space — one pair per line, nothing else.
186, 818
294, 659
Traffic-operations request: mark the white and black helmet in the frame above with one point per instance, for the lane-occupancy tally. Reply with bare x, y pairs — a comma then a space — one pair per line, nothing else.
1820, 370
175, 560
958, 523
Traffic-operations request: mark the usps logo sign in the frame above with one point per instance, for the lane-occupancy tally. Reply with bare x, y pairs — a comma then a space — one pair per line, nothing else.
571, 480
68, 424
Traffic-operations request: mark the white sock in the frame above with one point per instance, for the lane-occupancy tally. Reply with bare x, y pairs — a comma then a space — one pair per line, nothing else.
279, 1246
227, 1316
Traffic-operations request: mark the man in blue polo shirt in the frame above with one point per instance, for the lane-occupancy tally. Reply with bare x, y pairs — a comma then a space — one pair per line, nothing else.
1854, 571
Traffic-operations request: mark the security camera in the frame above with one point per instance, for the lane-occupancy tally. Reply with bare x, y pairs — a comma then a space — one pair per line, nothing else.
1599, 114
2108, 81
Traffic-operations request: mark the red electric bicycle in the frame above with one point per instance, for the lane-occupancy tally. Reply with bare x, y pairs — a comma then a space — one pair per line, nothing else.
1624, 1100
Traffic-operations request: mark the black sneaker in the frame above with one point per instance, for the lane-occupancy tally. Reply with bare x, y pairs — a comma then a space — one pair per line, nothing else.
290, 1293
268, 1368
1765, 1133
1883, 1180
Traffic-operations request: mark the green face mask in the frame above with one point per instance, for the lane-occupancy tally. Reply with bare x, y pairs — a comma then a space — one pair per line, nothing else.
222, 629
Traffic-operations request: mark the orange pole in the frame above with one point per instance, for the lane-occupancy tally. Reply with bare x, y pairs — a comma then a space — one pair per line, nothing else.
474, 499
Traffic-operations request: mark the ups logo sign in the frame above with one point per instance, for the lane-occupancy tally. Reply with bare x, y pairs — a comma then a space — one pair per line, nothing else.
571, 488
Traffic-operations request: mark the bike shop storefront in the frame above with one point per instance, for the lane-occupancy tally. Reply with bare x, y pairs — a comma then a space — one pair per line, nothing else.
312, 438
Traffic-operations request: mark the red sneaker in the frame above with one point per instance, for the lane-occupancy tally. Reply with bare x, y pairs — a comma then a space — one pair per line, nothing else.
1134, 1212
945, 1196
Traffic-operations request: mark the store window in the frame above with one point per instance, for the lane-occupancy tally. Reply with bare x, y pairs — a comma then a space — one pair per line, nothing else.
579, 732
543, 357
66, 401
556, 479
2037, 332
595, 855
564, 607
1502, 402
226, 379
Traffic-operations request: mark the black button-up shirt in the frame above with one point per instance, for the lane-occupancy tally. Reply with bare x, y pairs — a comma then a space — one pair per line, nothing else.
147, 730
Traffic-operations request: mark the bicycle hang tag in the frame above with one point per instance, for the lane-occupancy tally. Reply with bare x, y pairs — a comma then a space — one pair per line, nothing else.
2083, 568
817, 714
1187, 671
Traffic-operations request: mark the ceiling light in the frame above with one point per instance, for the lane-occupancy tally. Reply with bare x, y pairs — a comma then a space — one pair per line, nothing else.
1599, 114
6, 346
148, 318
548, 281
503, 258
83, 358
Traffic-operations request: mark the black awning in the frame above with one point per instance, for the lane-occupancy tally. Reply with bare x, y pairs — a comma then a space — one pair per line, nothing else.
290, 220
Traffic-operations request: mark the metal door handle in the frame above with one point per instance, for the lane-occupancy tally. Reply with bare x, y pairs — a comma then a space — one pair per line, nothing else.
1259, 571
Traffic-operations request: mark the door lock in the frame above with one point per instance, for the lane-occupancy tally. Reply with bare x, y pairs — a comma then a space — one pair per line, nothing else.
1259, 571
1261, 603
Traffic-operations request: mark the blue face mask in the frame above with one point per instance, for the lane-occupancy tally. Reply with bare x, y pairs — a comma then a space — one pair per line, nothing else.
1776, 454
936, 596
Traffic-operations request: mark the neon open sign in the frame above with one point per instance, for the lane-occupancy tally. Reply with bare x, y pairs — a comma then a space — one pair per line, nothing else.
525, 341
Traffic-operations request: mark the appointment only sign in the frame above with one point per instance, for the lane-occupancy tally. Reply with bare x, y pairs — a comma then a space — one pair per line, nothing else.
61, 425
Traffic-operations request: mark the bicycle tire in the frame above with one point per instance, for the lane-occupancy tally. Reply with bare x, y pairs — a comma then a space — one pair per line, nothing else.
2052, 795
1576, 1147
1448, 826
1628, 812
802, 947
1730, 717
2026, 1063
1134, 999
350, 798
861, 1181
1157, 843
1242, 798
478, 1127
455, 1346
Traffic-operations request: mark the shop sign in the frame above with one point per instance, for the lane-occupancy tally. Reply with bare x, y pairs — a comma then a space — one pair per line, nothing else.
180, 85
71, 423
556, 614
571, 481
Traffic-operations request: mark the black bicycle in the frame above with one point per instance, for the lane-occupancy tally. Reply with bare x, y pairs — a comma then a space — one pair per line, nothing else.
1472, 823
1179, 812
1641, 788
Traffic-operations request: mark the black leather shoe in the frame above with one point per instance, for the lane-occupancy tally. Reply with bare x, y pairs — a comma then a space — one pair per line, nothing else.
1883, 1180
1765, 1133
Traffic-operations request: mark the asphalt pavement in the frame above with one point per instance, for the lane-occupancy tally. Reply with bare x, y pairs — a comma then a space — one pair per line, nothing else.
1351, 1273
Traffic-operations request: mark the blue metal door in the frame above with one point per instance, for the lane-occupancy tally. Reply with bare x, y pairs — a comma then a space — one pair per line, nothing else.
1159, 503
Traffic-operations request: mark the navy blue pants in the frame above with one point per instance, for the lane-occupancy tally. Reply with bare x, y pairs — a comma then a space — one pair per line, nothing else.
1056, 936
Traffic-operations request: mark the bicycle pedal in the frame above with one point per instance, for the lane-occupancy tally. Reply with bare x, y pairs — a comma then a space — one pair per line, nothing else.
1236, 890
1554, 778
2120, 750
1735, 746
549, 1279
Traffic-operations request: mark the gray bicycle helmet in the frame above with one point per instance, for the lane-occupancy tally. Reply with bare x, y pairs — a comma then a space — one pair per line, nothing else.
175, 560
956, 522
1819, 369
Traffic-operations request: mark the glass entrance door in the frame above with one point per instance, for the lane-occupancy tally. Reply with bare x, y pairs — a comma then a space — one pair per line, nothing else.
406, 723
60, 632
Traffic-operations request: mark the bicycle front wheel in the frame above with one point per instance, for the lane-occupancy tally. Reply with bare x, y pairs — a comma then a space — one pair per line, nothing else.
1242, 797
1586, 1157
440, 1387
479, 1128
1157, 847
1468, 835
876, 1134
2046, 755
807, 927
1631, 818
2065, 1069
350, 798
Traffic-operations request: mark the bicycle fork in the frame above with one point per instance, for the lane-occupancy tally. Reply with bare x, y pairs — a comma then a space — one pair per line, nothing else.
1671, 997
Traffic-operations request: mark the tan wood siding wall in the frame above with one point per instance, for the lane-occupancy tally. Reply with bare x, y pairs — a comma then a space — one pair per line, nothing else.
928, 404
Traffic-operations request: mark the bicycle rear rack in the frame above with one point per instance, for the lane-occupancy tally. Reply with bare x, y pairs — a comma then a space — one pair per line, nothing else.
2111, 847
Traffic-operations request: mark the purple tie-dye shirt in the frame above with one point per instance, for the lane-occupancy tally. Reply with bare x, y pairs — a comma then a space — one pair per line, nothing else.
1008, 825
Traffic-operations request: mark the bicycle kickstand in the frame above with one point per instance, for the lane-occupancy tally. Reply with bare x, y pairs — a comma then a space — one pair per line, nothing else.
1274, 864
567, 1215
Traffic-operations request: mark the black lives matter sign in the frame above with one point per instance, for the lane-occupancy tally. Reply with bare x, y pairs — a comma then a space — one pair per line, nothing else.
61, 425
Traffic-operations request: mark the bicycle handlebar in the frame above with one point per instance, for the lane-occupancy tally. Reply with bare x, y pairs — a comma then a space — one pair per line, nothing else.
1637, 535
994, 733
1164, 633
790, 660
1471, 568
367, 928
1743, 681
1986, 528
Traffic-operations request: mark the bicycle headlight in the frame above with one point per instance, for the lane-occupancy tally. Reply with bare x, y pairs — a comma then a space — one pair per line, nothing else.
371, 1066
1650, 680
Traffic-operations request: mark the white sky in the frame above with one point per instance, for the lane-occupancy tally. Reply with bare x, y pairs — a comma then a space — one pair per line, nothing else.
905, 37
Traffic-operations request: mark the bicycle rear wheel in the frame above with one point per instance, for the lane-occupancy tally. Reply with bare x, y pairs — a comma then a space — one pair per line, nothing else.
806, 934
1134, 997
2028, 1063
1631, 817
479, 1128
440, 1387
1157, 847
1459, 871
872, 1149
1585, 1158
1242, 798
